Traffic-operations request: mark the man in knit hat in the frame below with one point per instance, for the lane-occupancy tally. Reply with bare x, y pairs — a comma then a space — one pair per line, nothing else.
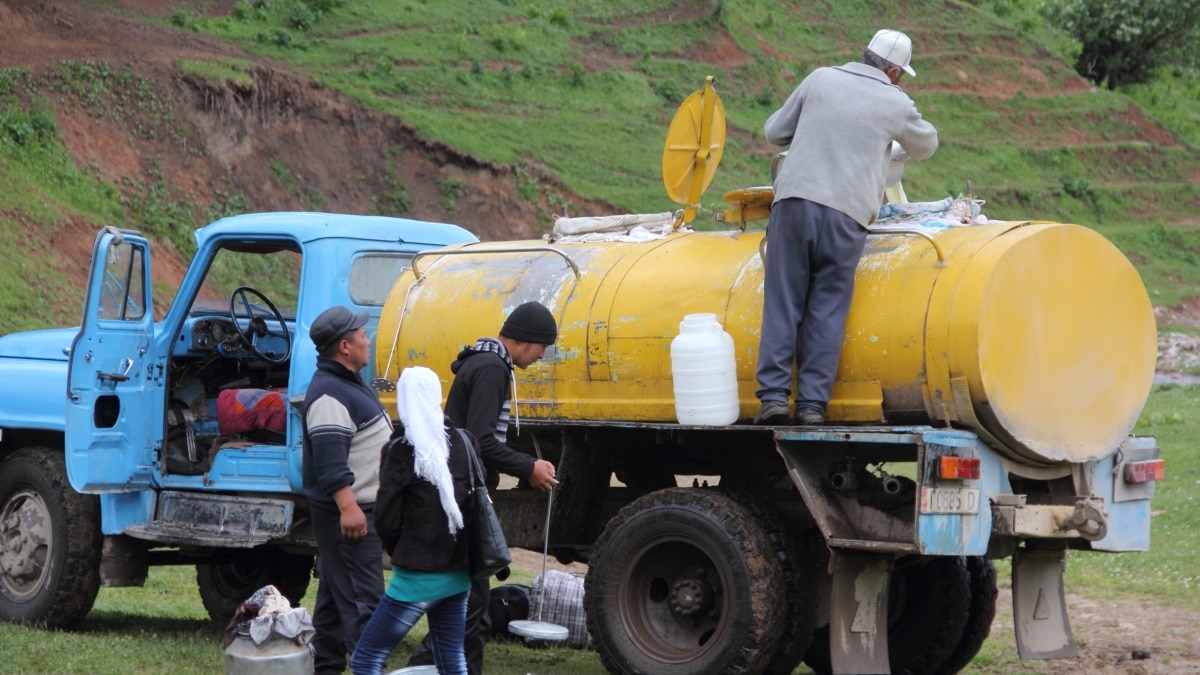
480, 402
839, 125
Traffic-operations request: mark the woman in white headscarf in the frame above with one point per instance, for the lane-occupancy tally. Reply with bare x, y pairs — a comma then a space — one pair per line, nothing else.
423, 485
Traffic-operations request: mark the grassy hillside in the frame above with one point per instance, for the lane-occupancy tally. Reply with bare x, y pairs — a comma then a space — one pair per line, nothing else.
586, 89
565, 103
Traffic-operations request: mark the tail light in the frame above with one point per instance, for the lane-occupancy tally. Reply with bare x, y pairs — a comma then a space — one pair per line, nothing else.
959, 468
1145, 471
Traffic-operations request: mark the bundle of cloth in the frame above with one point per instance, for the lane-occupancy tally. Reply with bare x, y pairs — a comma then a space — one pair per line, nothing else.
242, 410
629, 227
932, 216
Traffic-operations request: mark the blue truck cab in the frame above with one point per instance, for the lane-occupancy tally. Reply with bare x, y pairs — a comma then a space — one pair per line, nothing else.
171, 434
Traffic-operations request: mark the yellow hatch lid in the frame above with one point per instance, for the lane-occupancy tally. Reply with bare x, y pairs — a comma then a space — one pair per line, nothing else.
695, 143
1061, 357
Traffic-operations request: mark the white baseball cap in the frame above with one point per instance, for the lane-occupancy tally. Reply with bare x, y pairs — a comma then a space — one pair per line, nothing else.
894, 47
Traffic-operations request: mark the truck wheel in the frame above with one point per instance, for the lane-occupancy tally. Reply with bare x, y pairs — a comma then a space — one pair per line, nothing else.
927, 609
49, 542
980, 612
225, 586
800, 571
684, 580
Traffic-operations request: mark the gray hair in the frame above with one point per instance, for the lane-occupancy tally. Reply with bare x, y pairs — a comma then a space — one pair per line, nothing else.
872, 59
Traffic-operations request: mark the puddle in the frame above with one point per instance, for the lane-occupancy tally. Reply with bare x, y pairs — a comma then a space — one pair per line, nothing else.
1176, 378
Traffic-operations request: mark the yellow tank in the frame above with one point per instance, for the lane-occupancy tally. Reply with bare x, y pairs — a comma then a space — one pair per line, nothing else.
1038, 336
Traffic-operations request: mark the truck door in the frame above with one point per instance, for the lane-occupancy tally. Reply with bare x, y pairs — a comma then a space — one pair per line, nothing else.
114, 384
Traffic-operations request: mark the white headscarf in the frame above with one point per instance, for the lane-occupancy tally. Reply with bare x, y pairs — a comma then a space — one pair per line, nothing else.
419, 403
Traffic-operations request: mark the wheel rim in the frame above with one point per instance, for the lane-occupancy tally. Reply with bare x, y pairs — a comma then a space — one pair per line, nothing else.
673, 600
27, 545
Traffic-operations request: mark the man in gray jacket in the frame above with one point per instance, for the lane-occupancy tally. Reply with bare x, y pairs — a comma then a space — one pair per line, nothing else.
840, 124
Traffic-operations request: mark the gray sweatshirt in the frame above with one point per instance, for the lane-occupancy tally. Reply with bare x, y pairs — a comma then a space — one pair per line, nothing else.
840, 123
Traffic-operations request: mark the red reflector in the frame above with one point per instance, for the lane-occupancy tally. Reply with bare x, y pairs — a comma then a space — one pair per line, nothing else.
1145, 471
959, 468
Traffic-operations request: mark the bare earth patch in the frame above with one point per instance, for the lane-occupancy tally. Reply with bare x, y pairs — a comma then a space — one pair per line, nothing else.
1115, 638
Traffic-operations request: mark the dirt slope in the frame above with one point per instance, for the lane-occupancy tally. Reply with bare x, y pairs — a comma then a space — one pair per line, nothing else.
280, 140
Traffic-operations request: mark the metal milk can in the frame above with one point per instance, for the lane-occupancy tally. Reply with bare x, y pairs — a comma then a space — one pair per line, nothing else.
277, 656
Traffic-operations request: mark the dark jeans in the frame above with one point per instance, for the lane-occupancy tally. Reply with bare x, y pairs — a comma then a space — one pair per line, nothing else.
392, 621
479, 627
349, 587
808, 282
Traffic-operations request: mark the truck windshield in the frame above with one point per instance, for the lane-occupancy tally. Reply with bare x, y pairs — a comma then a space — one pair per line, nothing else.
275, 274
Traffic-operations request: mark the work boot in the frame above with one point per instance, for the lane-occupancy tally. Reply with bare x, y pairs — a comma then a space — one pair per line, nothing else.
809, 417
772, 413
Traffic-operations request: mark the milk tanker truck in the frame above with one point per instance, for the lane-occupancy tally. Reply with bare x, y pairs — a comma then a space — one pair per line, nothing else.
989, 380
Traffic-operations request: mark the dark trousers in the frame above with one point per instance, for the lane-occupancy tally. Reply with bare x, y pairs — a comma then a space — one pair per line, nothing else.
349, 587
808, 282
479, 628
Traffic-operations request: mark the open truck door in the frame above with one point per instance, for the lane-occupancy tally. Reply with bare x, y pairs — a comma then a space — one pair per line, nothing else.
114, 419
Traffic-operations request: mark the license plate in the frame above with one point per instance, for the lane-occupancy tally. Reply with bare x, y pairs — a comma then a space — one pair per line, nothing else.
949, 500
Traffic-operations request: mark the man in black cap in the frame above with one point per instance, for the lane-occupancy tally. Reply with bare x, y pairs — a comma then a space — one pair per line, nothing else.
479, 401
345, 426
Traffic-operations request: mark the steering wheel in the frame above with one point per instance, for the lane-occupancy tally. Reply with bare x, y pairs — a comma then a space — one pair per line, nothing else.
257, 314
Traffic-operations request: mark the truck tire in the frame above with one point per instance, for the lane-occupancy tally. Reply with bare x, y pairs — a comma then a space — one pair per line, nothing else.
225, 586
927, 608
980, 612
800, 571
50, 542
683, 580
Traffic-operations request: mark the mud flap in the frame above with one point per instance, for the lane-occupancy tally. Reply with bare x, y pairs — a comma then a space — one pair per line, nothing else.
858, 638
1040, 606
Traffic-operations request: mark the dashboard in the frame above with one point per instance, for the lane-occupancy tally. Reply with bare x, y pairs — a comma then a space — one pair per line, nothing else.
206, 334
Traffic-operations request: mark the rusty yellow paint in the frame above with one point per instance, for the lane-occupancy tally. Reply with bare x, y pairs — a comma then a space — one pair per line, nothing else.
1038, 335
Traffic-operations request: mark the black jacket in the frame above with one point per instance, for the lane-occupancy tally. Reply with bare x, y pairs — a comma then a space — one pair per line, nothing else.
477, 402
408, 511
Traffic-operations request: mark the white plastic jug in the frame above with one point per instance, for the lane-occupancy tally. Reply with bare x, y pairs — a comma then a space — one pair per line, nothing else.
704, 372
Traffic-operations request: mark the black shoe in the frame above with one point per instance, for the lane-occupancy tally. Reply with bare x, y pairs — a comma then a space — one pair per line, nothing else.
772, 413
808, 417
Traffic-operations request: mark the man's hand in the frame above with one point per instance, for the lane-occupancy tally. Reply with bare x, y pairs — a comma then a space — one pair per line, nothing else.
354, 524
354, 521
542, 477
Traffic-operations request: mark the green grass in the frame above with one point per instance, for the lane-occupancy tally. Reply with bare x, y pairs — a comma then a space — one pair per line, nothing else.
236, 71
1168, 258
582, 92
163, 628
586, 89
1166, 574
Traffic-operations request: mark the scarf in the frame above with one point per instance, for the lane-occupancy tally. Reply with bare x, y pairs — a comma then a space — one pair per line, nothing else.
419, 403
488, 344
